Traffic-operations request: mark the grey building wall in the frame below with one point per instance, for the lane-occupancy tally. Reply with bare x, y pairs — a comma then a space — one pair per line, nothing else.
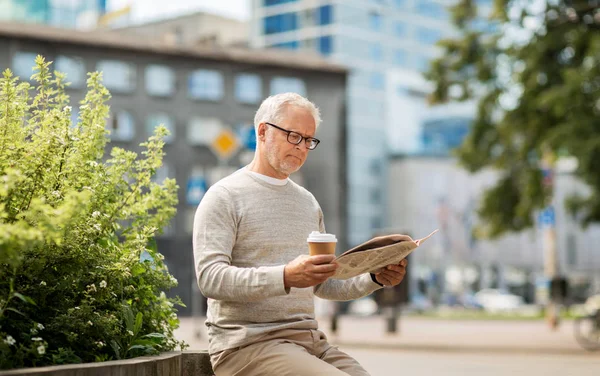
323, 173
427, 193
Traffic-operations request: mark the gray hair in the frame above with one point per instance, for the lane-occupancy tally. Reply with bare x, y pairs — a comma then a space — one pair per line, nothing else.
271, 109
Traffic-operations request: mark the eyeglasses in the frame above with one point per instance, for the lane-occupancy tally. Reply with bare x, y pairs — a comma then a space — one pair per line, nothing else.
296, 138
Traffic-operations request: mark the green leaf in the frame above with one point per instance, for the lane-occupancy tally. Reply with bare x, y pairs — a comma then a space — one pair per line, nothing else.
116, 348
15, 311
138, 323
24, 298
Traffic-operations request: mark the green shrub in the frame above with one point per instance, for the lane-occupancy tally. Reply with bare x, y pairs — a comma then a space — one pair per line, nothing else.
73, 227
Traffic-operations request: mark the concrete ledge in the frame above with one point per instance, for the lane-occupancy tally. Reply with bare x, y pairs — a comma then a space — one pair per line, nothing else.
188, 363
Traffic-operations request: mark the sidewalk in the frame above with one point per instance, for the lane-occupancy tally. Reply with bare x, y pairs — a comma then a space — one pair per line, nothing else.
422, 334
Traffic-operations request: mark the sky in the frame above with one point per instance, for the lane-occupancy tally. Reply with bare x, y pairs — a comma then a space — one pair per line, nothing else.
144, 10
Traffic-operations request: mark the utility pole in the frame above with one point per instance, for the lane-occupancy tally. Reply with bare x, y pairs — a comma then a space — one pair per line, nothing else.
548, 222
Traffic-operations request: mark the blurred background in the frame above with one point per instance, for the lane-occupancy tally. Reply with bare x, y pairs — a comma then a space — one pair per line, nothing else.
387, 161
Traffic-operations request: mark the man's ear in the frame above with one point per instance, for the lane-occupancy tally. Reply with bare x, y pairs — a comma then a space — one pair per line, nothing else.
260, 132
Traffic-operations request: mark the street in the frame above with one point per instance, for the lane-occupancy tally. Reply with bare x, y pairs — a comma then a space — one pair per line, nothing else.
381, 362
448, 347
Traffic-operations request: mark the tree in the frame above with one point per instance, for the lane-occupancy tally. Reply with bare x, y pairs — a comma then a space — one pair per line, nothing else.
73, 227
533, 67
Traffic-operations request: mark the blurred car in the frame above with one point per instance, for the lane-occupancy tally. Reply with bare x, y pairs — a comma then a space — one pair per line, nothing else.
494, 300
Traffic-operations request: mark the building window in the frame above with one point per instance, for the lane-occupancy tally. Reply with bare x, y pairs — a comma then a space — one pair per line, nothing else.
376, 51
206, 85
154, 120
160, 80
291, 45
325, 45
280, 23
117, 76
422, 63
376, 223
325, 15
269, 3
428, 35
166, 171
203, 131
431, 9
400, 29
196, 186
121, 126
287, 84
248, 88
73, 67
23, 63
375, 21
375, 196
401, 58
377, 81
400, 4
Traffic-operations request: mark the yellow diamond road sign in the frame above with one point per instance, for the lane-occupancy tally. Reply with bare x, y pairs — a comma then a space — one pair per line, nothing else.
225, 144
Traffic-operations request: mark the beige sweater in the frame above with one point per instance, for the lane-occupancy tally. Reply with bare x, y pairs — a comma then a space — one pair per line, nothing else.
245, 232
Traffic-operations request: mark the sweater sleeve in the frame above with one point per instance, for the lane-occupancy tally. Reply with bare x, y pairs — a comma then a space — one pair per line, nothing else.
349, 289
214, 233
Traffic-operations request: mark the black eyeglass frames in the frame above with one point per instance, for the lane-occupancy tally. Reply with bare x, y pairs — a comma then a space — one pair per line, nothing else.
296, 138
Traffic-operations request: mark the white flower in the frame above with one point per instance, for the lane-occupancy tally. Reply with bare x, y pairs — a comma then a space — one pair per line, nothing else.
91, 287
33, 331
96, 214
90, 323
41, 349
103, 284
43, 283
97, 227
10, 340
56, 193
77, 308
40, 326
36, 339
100, 344
130, 333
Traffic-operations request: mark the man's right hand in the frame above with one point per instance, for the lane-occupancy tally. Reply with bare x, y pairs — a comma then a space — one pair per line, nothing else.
307, 271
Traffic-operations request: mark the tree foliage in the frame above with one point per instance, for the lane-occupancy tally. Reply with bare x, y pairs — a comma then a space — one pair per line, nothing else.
73, 227
534, 70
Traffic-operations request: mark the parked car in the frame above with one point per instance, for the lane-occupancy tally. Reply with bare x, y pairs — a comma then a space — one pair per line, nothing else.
494, 300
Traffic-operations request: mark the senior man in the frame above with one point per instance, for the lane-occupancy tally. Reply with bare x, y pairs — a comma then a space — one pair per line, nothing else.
252, 260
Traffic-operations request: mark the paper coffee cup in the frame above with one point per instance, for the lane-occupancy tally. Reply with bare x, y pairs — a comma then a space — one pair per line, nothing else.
321, 244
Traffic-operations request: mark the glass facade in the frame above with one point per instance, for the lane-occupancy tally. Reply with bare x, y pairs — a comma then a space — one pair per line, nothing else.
326, 45
325, 15
67, 14
280, 23
269, 3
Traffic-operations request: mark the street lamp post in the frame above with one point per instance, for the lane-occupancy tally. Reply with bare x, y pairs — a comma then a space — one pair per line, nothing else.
548, 221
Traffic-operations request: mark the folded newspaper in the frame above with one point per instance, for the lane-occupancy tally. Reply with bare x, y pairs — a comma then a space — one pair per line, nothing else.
376, 254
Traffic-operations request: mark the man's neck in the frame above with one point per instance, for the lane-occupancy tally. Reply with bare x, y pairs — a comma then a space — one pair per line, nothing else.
262, 167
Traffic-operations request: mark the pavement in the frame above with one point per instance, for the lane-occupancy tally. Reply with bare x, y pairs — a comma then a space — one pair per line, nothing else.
527, 337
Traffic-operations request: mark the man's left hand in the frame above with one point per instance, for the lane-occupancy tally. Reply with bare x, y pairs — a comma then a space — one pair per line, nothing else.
392, 274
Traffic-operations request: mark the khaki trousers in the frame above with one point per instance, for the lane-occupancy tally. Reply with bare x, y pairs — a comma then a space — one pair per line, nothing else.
287, 352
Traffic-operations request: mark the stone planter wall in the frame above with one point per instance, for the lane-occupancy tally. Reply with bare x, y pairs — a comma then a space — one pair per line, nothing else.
186, 363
